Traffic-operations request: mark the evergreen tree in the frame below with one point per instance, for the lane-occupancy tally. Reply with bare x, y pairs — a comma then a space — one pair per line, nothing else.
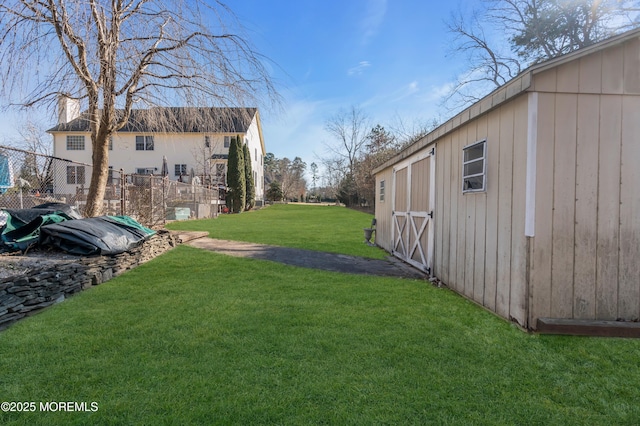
274, 193
235, 178
248, 178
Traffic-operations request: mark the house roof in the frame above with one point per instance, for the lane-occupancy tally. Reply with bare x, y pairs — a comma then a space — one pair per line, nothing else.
503, 94
174, 120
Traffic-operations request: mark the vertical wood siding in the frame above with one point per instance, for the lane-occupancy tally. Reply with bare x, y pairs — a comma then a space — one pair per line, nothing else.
483, 253
583, 261
586, 249
383, 209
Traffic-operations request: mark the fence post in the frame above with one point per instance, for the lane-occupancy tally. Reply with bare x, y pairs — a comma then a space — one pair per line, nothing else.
164, 200
123, 192
151, 215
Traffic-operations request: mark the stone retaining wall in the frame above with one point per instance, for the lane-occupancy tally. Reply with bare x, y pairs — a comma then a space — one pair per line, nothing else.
26, 294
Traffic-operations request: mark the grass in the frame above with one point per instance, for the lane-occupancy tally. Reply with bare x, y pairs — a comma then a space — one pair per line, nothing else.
194, 337
323, 228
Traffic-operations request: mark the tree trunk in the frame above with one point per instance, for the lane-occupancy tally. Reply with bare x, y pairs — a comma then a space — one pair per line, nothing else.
100, 134
99, 176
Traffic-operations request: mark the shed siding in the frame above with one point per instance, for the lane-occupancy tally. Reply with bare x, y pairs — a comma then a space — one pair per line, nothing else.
383, 209
484, 250
581, 257
587, 239
585, 252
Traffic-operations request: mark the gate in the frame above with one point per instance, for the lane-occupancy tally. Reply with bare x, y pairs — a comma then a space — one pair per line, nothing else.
412, 215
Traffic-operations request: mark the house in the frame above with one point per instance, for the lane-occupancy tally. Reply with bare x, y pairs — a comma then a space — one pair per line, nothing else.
194, 142
528, 201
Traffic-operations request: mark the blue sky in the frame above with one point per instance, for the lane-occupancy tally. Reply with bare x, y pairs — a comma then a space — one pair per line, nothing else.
387, 57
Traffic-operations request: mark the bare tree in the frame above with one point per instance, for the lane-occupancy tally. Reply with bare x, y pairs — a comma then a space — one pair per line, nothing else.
350, 129
529, 31
114, 54
36, 164
489, 66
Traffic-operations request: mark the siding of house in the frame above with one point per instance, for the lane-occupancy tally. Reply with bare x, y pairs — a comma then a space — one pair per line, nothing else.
585, 252
481, 248
179, 148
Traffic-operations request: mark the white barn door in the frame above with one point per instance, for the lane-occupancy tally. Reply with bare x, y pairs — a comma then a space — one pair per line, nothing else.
412, 215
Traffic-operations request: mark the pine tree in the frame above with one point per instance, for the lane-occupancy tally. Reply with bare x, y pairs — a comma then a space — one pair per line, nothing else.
235, 178
248, 178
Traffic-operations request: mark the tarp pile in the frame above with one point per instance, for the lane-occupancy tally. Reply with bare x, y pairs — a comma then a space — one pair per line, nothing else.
61, 226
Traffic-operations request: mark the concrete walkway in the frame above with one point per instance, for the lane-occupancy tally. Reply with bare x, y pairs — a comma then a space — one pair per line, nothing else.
391, 267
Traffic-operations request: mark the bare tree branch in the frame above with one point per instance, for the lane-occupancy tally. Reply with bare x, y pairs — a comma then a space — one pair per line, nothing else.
113, 54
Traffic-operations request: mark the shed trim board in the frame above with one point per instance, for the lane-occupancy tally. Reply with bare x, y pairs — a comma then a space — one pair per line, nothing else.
532, 139
556, 232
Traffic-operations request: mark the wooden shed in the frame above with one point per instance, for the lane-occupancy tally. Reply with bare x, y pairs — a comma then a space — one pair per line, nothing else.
528, 202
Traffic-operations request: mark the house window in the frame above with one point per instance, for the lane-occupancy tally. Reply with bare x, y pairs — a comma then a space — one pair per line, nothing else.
474, 167
207, 142
145, 171
144, 143
110, 176
75, 175
75, 143
111, 143
382, 191
227, 141
180, 169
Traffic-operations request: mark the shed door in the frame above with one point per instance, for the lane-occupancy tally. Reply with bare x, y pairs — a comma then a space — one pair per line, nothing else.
413, 202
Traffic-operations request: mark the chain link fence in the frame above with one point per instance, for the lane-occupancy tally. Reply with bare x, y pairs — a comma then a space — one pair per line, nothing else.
28, 179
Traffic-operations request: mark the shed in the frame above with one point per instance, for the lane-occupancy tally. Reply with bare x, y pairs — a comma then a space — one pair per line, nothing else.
528, 201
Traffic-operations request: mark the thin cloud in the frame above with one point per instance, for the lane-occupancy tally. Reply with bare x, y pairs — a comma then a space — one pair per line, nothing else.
359, 69
374, 16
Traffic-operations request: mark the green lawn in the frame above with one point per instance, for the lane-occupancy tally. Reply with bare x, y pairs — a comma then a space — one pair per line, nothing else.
323, 228
195, 337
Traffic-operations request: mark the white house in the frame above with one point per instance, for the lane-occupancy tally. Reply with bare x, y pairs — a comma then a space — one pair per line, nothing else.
194, 141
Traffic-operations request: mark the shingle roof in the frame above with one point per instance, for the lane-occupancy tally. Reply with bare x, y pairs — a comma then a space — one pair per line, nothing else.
174, 120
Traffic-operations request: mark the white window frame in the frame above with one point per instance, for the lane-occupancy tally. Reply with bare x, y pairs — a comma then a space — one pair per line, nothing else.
147, 143
382, 185
482, 174
180, 169
76, 175
75, 143
145, 170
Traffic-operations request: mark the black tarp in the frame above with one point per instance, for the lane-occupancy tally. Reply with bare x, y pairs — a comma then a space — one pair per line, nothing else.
104, 235
27, 215
22, 226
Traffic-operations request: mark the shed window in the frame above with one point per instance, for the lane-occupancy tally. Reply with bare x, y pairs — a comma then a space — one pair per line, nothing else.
382, 191
474, 167
227, 141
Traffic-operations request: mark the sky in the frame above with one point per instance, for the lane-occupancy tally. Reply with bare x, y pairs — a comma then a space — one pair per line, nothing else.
389, 58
